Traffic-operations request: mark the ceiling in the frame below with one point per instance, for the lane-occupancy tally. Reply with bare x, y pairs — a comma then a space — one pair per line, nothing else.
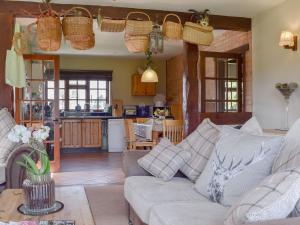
243, 8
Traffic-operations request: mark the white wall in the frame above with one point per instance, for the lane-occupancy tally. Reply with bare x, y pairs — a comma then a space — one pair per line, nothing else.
273, 64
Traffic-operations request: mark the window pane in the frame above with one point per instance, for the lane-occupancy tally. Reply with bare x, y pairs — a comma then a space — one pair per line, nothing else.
210, 107
61, 84
73, 93
37, 90
210, 68
72, 104
222, 107
61, 104
81, 82
48, 110
81, 94
232, 68
61, 93
50, 84
93, 94
81, 103
50, 94
210, 89
93, 84
73, 82
102, 104
93, 105
102, 84
102, 94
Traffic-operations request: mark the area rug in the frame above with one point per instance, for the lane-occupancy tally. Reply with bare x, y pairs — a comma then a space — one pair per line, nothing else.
107, 204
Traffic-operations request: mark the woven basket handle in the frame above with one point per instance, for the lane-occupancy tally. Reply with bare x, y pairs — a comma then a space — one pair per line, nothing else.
131, 13
171, 14
81, 8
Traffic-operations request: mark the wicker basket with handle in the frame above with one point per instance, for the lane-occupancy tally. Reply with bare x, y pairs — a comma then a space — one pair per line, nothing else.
172, 30
77, 27
110, 25
196, 33
137, 44
84, 45
138, 27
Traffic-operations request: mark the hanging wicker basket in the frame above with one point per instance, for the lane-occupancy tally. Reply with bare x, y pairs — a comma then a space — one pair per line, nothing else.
110, 25
77, 27
49, 31
84, 45
138, 27
172, 30
137, 44
196, 33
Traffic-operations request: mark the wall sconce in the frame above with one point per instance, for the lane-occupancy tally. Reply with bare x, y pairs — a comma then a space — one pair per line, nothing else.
288, 40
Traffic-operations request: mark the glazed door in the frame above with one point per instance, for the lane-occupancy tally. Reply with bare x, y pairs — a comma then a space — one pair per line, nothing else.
38, 103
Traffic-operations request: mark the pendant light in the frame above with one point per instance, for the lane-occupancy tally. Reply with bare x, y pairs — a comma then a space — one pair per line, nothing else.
149, 75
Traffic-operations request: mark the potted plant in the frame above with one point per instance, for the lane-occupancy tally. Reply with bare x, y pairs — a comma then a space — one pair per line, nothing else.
39, 186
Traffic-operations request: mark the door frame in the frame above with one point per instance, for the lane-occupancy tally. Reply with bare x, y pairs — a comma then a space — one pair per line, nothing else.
55, 164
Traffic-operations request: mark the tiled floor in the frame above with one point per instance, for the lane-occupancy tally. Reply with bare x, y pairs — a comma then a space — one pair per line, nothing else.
90, 169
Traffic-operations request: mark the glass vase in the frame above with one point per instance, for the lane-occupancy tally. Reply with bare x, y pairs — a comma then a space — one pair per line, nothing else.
39, 193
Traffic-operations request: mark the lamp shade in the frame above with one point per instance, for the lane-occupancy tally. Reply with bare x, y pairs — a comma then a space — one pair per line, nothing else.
149, 76
286, 39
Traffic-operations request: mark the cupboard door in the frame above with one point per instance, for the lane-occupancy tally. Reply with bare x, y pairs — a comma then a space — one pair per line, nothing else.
71, 133
91, 133
137, 87
150, 89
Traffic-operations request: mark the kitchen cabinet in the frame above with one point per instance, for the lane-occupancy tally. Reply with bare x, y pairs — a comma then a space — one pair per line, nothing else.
142, 89
71, 133
81, 133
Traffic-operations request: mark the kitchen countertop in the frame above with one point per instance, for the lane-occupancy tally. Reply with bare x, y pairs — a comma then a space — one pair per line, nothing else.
89, 117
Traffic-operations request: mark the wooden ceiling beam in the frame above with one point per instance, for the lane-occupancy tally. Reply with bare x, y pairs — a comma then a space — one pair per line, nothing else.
218, 22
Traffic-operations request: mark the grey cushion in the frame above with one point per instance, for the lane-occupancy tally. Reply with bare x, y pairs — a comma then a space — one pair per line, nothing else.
164, 160
239, 162
188, 213
143, 192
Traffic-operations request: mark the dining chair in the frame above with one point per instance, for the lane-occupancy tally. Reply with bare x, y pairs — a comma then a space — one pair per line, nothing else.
173, 130
134, 142
142, 120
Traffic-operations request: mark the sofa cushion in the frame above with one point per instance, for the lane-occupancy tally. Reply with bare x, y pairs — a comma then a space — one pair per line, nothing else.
164, 160
201, 144
274, 198
239, 162
7, 122
252, 126
6, 147
2, 174
188, 213
143, 192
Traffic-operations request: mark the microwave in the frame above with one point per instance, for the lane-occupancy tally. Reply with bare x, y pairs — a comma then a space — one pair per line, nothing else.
130, 111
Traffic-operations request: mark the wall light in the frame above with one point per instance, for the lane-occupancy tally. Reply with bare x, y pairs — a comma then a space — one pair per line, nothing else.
288, 40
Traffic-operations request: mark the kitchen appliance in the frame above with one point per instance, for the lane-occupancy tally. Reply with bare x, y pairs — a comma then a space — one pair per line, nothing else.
130, 111
116, 135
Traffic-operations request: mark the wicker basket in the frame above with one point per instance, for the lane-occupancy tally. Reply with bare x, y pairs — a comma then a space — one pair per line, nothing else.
172, 30
110, 25
20, 43
49, 33
76, 27
84, 45
137, 44
138, 27
197, 34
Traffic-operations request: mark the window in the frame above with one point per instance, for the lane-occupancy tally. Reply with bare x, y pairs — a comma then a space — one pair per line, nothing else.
221, 82
77, 94
98, 94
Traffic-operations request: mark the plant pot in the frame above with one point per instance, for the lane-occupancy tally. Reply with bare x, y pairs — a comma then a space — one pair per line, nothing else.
39, 193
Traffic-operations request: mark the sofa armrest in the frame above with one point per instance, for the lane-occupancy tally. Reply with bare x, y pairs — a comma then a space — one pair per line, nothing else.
15, 174
130, 165
288, 221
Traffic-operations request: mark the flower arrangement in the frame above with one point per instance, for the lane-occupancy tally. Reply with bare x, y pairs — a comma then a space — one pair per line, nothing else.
34, 138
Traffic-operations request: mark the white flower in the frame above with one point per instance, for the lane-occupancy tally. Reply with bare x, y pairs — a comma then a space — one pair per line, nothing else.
41, 134
19, 133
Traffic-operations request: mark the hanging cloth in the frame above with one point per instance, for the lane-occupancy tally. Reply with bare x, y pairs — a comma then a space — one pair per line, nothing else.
15, 74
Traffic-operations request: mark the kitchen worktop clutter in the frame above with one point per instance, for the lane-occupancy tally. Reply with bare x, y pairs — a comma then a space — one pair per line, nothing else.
141, 34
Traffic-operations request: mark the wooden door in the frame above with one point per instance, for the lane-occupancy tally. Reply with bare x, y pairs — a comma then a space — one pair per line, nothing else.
91, 133
71, 134
137, 87
35, 107
150, 89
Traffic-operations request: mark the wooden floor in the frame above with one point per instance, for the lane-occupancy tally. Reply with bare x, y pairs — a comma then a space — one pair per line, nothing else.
90, 169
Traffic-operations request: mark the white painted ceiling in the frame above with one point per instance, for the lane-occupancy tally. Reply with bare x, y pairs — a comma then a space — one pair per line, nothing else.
243, 8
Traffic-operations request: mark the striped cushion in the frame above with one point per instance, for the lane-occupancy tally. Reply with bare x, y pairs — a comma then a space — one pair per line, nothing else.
274, 198
7, 122
201, 144
164, 160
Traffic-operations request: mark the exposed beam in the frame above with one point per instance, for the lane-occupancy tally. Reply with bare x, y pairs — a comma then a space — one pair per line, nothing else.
218, 22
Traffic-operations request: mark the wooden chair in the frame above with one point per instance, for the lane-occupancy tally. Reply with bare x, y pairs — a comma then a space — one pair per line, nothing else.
173, 130
142, 120
134, 143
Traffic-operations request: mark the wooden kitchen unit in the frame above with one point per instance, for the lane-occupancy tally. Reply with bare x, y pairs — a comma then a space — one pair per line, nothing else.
81, 133
142, 89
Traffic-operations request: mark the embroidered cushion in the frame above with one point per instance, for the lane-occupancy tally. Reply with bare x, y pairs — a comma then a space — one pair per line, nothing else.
239, 162
164, 160
200, 144
274, 198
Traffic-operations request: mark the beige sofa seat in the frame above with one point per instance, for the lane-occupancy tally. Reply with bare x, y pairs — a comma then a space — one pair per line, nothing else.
188, 213
2, 174
144, 192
